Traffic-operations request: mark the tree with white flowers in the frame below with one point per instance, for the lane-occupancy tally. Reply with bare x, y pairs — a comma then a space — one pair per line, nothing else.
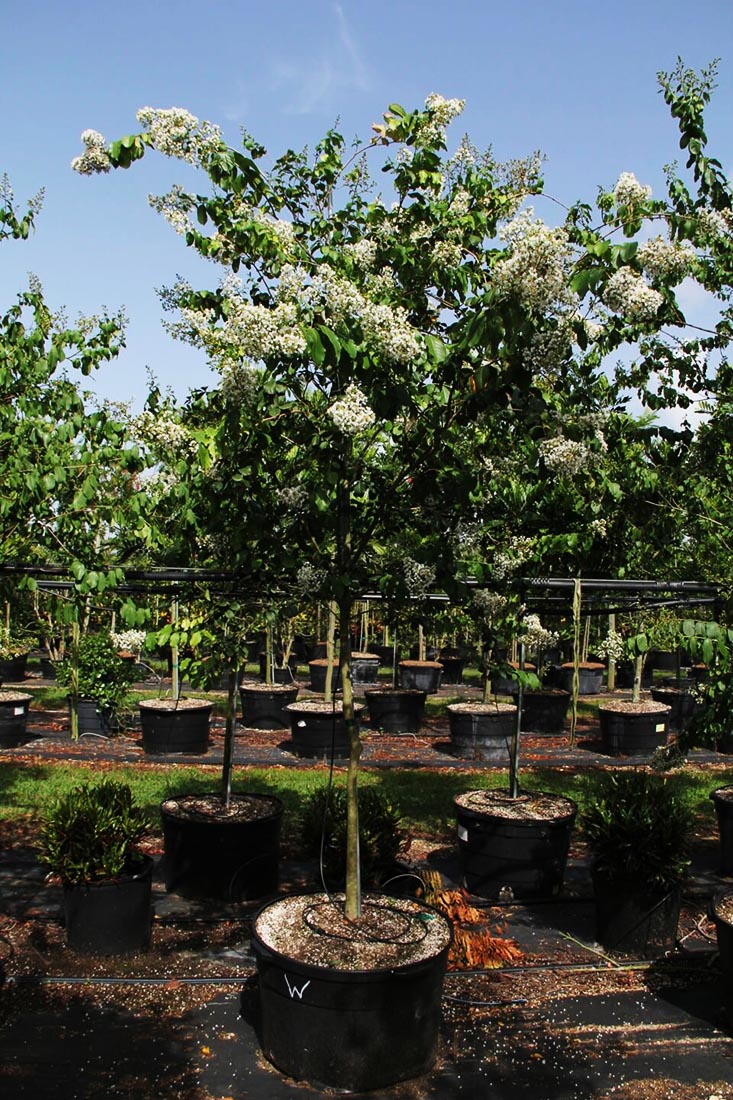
371, 343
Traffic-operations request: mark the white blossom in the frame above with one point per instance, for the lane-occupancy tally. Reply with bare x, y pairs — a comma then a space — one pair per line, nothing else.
628, 294
489, 605
240, 382
309, 579
535, 636
130, 641
351, 413
665, 260
95, 157
419, 577
565, 457
612, 648
292, 497
537, 266
175, 132
629, 192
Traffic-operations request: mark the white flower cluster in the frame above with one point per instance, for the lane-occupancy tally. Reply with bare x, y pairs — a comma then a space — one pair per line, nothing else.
506, 562
447, 253
363, 253
351, 413
384, 326
177, 133
131, 641
627, 293
598, 528
309, 579
538, 265
283, 231
157, 483
629, 192
163, 431
489, 605
441, 113
565, 457
174, 207
665, 260
714, 225
292, 497
250, 331
419, 577
548, 349
535, 636
95, 157
240, 383
612, 647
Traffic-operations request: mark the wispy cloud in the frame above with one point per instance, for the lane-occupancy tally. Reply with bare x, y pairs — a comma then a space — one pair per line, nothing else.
335, 67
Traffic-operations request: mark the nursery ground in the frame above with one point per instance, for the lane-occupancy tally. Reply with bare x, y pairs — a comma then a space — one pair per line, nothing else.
564, 1021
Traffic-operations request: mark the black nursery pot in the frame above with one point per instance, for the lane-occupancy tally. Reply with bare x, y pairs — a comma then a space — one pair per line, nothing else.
526, 856
356, 1030
633, 918
722, 799
263, 708
628, 733
422, 675
12, 669
13, 718
110, 918
482, 731
396, 710
228, 858
95, 720
545, 711
318, 729
724, 933
452, 669
175, 730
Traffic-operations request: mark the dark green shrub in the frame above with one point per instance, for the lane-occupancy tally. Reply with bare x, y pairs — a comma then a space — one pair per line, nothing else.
638, 827
91, 833
323, 828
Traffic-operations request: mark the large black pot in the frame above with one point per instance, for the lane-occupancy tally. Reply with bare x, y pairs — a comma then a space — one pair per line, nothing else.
12, 669
281, 674
95, 720
395, 710
422, 675
590, 678
318, 729
545, 711
349, 1029
263, 705
633, 918
683, 705
633, 732
522, 856
452, 669
13, 718
214, 854
723, 801
181, 728
110, 918
364, 668
482, 731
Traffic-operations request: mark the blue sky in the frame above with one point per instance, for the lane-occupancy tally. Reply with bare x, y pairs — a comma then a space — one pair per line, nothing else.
574, 79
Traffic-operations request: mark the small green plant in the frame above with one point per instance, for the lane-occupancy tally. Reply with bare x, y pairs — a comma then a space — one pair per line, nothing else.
91, 833
712, 724
323, 830
638, 827
95, 670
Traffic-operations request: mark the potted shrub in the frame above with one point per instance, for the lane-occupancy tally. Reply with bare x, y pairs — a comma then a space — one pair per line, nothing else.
634, 727
637, 827
14, 652
90, 840
711, 723
98, 682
